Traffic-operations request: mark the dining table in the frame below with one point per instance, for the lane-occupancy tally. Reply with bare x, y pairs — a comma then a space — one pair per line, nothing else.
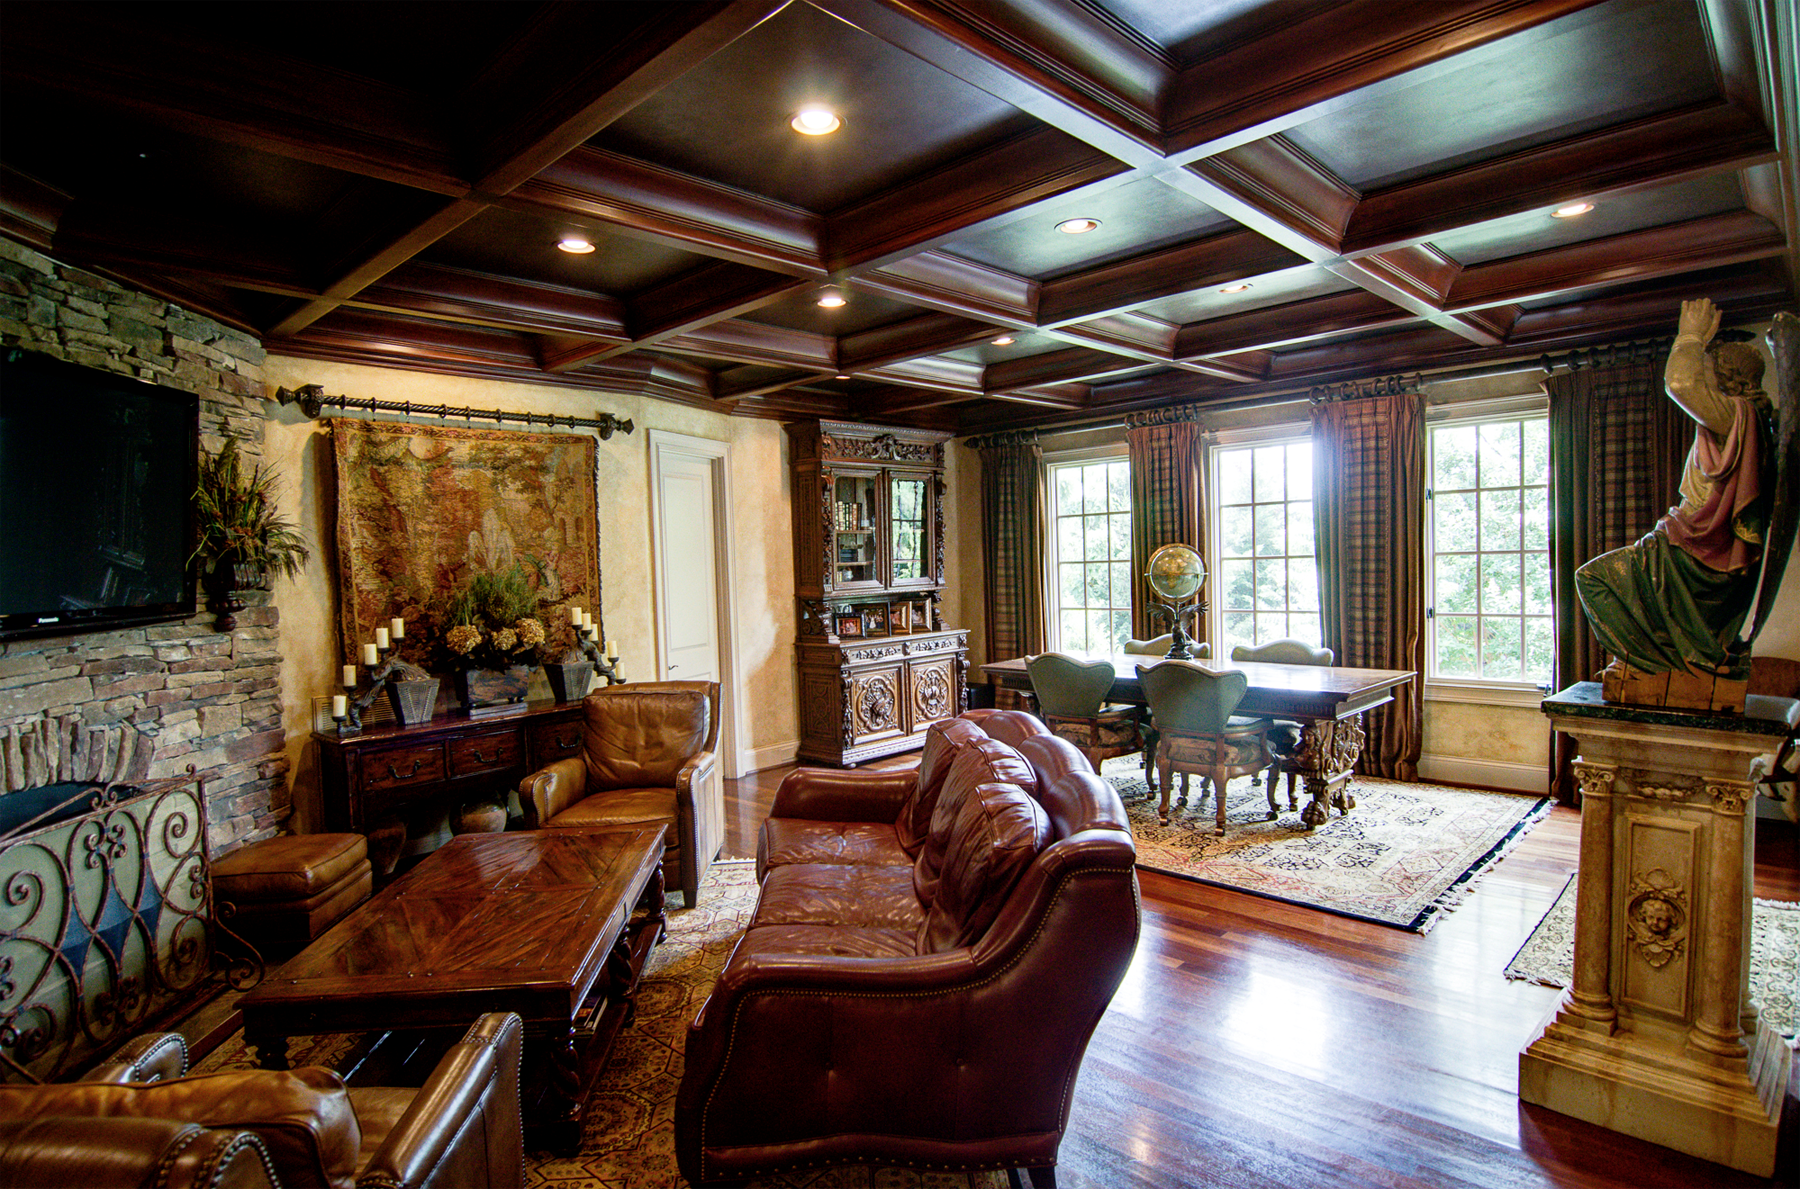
1327, 701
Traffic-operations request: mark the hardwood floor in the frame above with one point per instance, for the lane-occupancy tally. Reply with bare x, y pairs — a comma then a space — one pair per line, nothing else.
1257, 1044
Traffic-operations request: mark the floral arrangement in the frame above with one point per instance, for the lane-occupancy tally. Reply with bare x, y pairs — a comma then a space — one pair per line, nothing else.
491, 622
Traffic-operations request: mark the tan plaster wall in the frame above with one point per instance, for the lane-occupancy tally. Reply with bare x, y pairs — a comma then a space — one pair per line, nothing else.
761, 538
1510, 734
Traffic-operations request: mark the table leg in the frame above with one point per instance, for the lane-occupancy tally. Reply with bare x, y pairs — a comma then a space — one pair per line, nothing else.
553, 1064
270, 1052
1327, 752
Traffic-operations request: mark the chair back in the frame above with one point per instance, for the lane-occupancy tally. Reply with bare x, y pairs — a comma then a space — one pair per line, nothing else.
1285, 652
1184, 696
1067, 686
1159, 646
640, 734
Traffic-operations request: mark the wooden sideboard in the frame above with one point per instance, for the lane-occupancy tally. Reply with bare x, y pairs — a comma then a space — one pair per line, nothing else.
451, 761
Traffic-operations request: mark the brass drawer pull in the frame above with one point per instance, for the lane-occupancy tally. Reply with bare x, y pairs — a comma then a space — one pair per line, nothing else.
568, 744
481, 759
393, 774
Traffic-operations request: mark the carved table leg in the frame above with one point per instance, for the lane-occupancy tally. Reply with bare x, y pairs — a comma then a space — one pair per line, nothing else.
1327, 752
271, 1052
554, 1065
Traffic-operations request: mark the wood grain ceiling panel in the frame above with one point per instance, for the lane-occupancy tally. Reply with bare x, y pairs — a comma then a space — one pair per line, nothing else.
1379, 171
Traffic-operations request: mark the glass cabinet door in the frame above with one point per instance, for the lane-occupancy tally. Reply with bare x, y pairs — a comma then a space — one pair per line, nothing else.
855, 523
908, 533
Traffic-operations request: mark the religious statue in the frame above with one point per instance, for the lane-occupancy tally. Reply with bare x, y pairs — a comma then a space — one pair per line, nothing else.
1671, 608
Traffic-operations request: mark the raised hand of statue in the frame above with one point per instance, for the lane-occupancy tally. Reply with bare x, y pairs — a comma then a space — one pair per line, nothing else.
1700, 318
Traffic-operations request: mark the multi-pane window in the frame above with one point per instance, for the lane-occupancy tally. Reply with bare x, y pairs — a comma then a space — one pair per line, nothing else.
1091, 555
1267, 585
1490, 534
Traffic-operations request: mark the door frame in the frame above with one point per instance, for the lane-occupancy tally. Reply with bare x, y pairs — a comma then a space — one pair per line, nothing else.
717, 455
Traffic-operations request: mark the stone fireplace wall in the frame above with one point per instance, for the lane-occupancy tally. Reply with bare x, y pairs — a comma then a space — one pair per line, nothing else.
149, 701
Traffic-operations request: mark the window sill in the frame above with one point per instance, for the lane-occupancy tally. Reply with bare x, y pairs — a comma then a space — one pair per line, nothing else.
1485, 693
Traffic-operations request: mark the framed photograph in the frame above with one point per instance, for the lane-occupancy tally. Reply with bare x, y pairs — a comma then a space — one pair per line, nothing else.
900, 620
919, 612
849, 625
875, 620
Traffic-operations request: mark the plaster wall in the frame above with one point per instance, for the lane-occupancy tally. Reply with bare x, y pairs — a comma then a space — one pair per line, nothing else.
764, 614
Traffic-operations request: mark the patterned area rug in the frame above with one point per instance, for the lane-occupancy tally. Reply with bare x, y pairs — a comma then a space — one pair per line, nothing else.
628, 1141
1548, 955
1404, 856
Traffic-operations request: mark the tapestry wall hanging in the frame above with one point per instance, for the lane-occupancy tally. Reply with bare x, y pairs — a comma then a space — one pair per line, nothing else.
422, 508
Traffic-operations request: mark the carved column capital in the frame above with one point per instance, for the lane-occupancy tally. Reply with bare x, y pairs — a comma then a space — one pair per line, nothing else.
1730, 796
1594, 780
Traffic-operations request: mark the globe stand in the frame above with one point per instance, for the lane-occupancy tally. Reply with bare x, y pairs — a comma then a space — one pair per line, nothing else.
1176, 575
1180, 645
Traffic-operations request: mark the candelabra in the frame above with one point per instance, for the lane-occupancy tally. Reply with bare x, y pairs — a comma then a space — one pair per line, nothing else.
417, 689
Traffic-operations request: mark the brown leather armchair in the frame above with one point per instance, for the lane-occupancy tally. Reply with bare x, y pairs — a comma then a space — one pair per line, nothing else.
646, 758
929, 955
139, 1121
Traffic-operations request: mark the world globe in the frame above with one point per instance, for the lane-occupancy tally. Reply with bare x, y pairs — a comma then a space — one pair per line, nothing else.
1175, 573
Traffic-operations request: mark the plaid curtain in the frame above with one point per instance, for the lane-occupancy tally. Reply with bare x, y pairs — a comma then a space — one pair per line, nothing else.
1012, 542
1369, 514
1617, 444
1168, 506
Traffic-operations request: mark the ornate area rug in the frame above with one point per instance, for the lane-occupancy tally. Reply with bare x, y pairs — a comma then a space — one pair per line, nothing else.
1548, 955
628, 1141
1403, 857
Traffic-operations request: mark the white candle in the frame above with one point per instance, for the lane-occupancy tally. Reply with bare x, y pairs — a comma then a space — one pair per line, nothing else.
587, 620
340, 706
370, 656
381, 638
349, 681
575, 616
397, 627
612, 650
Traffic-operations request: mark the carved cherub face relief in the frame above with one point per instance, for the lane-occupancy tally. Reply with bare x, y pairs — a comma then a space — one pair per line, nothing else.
1656, 915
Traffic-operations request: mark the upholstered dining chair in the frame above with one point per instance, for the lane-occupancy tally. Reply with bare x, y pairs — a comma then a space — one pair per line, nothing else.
1284, 734
646, 758
1071, 699
1159, 646
1197, 731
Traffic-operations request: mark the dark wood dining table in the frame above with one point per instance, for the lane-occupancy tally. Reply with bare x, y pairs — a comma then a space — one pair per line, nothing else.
1327, 700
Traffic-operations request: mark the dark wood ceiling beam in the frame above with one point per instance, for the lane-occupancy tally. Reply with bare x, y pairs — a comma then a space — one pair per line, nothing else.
1288, 324
461, 295
1745, 292
676, 209
1136, 336
952, 285
1055, 367
1639, 255
730, 387
937, 373
1200, 264
1654, 151
199, 252
1417, 278
1348, 53
1054, 396
899, 400
713, 293
997, 186
1272, 187
1058, 93
29, 209
579, 67
930, 334
756, 344
168, 73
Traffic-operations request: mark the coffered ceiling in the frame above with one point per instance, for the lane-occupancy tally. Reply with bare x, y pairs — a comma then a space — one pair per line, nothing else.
1288, 192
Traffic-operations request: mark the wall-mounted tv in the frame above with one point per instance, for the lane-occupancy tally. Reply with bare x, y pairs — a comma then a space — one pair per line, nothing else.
96, 520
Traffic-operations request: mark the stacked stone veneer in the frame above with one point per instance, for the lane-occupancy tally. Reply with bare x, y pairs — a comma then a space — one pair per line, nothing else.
150, 701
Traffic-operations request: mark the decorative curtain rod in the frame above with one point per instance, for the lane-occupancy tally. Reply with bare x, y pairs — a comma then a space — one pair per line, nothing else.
1356, 389
312, 400
1167, 415
1010, 437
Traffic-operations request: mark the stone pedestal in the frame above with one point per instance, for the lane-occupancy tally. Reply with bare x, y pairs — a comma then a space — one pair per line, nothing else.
1657, 1037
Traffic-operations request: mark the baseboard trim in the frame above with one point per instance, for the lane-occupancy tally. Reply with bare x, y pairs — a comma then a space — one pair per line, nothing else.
1487, 774
773, 756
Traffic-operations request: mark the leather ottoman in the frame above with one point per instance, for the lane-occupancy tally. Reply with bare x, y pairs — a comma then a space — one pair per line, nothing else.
281, 893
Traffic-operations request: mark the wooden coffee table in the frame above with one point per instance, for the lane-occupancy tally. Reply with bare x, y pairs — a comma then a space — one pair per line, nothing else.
535, 922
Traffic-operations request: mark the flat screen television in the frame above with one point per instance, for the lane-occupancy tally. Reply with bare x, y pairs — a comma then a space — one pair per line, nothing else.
96, 519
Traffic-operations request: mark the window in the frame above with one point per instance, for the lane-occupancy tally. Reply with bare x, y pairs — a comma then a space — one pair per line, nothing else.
1489, 549
1090, 555
1267, 585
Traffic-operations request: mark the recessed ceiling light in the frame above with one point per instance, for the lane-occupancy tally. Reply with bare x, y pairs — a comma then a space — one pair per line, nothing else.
1077, 226
843, 375
1005, 340
1572, 210
1239, 288
831, 297
576, 246
815, 121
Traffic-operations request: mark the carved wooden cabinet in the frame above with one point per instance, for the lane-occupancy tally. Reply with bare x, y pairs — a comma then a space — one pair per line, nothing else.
877, 664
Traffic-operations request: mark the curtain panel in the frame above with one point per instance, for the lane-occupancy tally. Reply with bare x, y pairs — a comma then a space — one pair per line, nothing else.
1012, 538
1369, 515
1168, 506
1617, 443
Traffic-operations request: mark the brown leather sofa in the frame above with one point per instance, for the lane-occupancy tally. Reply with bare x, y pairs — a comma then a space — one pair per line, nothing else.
140, 1121
929, 955
646, 758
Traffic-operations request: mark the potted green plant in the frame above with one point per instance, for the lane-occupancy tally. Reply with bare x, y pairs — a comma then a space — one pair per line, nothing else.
240, 540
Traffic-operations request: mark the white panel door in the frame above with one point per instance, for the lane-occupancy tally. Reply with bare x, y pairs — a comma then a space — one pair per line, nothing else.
689, 609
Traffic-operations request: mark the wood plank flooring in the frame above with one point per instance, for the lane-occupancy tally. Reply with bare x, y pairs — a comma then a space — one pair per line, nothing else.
1257, 1044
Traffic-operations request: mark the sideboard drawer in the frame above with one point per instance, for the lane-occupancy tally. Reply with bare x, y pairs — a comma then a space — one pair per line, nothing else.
485, 753
399, 767
553, 741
